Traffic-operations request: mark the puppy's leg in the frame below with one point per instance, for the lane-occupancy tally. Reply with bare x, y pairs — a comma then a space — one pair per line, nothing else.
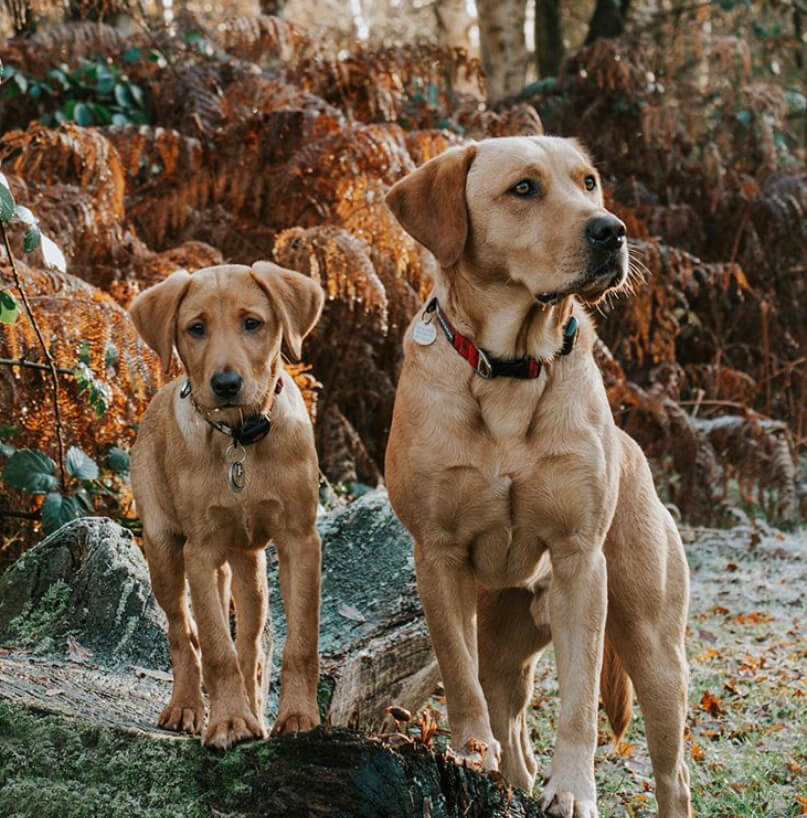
224, 576
647, 610
448, 592
186, 710
299, 560
506, 670
577, 601
251, 597
231, 717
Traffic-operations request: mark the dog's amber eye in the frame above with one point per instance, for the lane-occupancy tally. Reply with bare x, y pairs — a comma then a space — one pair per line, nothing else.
197, 329
590, 182
524, 189
252, 324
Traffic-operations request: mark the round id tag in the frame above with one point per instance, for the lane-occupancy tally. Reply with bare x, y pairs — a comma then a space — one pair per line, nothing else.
424, 334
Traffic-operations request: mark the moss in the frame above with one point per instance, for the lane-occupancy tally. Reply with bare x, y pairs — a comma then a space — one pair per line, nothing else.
34, 621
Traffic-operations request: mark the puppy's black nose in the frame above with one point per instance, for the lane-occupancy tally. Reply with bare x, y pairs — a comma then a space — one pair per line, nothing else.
226, 383
605, 232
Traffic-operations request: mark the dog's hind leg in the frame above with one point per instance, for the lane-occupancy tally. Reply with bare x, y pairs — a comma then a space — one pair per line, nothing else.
185, 711
510, 640
251, 596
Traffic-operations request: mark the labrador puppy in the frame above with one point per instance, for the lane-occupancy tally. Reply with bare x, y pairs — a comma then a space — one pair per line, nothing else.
224, 462
534, 517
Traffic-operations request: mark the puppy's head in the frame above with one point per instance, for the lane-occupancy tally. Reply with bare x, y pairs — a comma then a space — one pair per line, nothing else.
227, 324
526, 209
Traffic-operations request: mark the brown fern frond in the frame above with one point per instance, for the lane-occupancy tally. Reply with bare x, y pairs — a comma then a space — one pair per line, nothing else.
339, 261
256, 37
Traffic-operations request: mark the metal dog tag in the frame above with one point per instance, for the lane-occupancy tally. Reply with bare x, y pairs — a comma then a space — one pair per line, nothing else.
236, 454
424, 333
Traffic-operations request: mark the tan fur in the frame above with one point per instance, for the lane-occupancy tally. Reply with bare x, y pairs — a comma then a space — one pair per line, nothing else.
528, 507
195, 528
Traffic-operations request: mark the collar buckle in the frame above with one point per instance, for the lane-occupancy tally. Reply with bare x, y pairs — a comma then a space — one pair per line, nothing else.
484, 368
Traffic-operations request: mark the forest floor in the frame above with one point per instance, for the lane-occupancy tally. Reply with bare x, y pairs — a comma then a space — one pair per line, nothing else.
747, 725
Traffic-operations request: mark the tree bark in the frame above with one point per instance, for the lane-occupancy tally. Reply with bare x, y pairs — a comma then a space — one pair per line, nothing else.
608, 19
548, 37
504, 49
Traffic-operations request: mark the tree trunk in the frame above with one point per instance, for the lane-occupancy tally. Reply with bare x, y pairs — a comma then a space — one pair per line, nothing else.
274, 7
504, 49
548, 37
608, 19
453, 22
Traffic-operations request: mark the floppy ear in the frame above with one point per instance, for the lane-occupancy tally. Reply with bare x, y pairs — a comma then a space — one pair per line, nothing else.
296, 299
430, 203
154, 313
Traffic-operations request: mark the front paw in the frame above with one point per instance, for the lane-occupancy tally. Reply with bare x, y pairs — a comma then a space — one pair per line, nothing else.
225, 730
295, 720
183, 716
480, 755
564, 799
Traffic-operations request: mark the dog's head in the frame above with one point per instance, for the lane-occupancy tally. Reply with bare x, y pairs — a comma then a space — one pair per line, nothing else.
524, 209
227, 324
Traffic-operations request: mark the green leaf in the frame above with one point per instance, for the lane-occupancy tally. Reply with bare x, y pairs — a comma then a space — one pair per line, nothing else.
52, 255
132, 54
58, 510
31, 239
59, 76
21, 82
121, 119
80, 465
24, 215
111, 355
31, 471
101, 113
8, 307
104, 80
137, 93
118, 460
6, 449
123, 97
6, 203
82, 114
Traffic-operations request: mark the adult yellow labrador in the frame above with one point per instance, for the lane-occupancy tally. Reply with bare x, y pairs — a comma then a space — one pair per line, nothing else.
533, 515
225, 461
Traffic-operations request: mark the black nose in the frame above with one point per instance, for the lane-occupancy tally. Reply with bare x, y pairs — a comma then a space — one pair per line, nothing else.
605, 232
226, 384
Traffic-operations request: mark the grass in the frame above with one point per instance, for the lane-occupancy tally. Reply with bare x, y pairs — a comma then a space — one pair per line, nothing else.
747, 725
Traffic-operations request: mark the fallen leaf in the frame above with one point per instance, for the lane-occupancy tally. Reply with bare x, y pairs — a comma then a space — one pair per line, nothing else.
349, 612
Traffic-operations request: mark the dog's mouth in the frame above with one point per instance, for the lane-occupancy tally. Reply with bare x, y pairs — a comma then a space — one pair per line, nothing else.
593, 284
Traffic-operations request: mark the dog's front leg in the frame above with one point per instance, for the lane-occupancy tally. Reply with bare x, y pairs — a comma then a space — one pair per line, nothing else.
299, 560
448, 591
577, 606
231, 717
251, 594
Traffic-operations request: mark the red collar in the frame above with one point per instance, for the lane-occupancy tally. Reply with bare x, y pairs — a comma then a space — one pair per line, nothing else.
485, 365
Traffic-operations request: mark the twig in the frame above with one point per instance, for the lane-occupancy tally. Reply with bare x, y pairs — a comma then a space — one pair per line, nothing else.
48, 357
22, 515
32, 365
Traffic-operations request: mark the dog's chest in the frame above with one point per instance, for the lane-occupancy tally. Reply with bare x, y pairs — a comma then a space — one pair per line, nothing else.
508, 499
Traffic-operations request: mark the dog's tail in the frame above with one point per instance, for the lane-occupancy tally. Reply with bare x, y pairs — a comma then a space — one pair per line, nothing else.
616, 691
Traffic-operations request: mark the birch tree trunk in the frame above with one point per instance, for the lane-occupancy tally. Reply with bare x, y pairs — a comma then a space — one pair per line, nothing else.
503, 47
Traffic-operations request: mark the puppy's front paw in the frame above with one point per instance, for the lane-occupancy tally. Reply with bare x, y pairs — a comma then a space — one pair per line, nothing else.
295, 721
558, 799
480, 755
184, 717
224, 731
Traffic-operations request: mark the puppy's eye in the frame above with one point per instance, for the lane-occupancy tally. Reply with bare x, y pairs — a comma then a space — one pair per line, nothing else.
590, 182
197, 329
252, 324
524, 189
